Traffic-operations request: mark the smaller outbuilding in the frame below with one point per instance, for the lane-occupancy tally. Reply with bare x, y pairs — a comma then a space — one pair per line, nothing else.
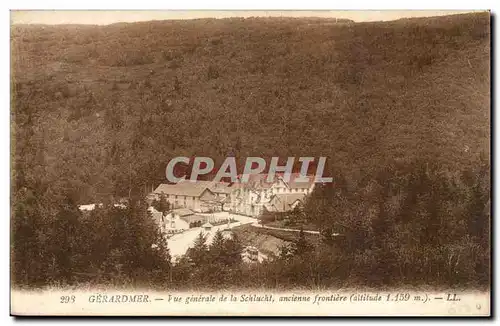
207, 226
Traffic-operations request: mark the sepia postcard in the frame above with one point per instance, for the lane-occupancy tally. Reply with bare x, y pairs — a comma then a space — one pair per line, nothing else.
250, 163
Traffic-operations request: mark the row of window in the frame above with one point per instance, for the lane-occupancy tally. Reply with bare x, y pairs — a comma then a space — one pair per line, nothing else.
176, 197
293, 190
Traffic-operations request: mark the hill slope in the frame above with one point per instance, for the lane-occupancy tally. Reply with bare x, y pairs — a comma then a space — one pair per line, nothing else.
99, 108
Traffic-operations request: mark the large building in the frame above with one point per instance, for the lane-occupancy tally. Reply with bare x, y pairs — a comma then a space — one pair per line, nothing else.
192, 195
200, 196
249, 195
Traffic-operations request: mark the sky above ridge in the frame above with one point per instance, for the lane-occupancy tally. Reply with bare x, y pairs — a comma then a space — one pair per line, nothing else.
104, 17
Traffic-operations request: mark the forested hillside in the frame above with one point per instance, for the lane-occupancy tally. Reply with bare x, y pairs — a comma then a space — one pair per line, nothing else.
94, 107
400, 109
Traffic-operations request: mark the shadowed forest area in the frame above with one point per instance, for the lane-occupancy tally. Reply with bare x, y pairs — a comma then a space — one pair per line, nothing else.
400, 109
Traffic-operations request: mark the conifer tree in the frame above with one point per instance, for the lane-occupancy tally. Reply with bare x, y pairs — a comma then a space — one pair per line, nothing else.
198, 253
164, 205
301, 246
217, 247
233, 250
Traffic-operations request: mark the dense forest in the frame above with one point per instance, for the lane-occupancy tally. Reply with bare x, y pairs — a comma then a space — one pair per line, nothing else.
401, 110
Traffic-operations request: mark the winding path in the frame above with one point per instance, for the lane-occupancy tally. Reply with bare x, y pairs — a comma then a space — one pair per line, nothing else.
181, 242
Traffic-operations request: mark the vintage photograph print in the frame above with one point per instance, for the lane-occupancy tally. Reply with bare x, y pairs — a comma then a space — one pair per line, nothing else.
237, 163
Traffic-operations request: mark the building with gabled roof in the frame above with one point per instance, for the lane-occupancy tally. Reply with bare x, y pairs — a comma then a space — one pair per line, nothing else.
250, 198
221, 189
207, 226
281, 203
192, 195
191, 189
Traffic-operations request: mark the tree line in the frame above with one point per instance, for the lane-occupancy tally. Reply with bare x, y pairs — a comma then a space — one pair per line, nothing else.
410, 226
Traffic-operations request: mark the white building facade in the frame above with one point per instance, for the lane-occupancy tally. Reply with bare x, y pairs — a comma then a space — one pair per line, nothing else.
250, 198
